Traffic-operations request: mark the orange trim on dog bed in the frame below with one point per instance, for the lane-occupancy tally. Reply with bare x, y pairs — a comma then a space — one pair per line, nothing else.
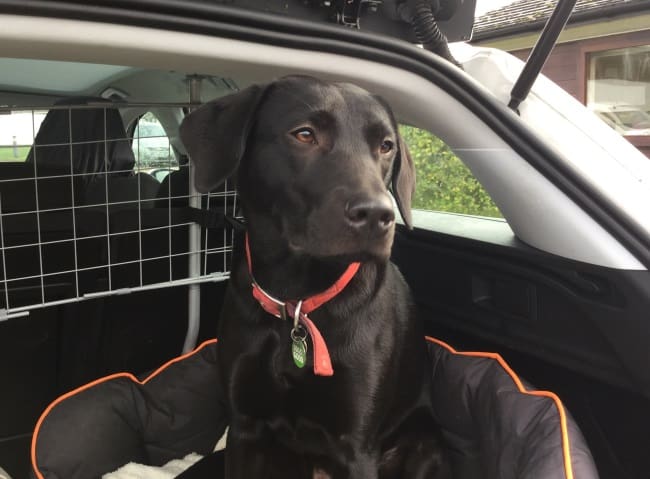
99, 381
568, 468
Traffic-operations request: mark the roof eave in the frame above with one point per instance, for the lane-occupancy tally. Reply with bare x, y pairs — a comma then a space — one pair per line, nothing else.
536, 26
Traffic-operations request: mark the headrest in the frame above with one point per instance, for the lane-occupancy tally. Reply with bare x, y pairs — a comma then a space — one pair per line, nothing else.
86, 138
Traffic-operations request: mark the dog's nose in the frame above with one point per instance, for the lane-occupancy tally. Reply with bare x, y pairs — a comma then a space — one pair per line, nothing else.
375, 215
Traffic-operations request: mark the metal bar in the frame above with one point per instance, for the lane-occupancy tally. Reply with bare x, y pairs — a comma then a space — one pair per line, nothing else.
79, 175
225, 233
221, 250
205, 256
139, 209
4, 259
24, 310
74, 175
540, 52
194, 260
108, 212
95, 105
92, 142
169, 229
38, 214
234, 215
74, 223
5, 315
118, 233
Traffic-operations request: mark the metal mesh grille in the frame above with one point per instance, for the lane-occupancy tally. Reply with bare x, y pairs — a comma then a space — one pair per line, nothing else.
85, 216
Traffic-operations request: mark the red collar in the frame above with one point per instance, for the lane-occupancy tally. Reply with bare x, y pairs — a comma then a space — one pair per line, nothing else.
279, 309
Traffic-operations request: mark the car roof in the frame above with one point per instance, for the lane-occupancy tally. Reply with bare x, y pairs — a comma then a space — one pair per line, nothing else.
497, 145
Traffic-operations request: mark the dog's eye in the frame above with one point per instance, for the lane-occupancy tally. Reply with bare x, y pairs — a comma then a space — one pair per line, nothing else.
305, 135
386, 146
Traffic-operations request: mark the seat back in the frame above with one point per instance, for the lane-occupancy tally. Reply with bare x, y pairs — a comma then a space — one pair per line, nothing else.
85, 141
123, 192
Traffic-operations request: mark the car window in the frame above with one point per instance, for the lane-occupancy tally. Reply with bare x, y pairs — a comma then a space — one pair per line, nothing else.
17, 132
444, 183
151, 148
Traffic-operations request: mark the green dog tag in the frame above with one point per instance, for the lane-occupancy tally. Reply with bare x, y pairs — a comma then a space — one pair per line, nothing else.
299, 352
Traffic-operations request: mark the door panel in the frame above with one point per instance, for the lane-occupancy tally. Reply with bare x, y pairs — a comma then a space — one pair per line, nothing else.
576, 329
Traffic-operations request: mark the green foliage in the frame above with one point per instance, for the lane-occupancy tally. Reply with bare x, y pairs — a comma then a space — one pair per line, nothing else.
7, 153
444, 183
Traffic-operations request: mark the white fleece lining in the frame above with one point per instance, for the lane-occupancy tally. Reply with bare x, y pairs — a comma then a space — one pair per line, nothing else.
170, 470
140, 471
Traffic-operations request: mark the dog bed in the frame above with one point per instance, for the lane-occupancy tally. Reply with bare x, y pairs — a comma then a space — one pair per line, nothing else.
497, 426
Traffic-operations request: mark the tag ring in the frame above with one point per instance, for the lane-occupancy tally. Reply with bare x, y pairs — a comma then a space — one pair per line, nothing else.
296, 315
299, 333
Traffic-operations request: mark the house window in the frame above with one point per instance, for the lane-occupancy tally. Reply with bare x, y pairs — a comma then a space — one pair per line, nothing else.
618, 88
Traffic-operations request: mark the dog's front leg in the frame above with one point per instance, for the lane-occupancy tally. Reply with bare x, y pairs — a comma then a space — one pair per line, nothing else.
320, 474
245, 459
364, 466
260, 457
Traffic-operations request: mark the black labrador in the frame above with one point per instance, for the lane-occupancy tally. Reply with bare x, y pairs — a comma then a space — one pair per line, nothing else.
323, 362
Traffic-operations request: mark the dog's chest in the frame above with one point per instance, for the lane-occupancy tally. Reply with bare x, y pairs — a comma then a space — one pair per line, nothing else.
269, 393
313, 416
265, 383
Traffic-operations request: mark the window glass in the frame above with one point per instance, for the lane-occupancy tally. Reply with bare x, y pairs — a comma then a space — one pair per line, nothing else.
618, 88
151, 147
444, 183
17, 132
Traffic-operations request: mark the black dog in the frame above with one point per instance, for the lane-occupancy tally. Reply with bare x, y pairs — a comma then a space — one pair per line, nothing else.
329, 380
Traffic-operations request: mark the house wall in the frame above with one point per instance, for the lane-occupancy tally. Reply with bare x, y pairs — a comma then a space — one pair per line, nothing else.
568, 66
562, 68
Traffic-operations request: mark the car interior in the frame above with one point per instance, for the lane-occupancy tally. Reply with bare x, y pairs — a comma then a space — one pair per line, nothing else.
111, 261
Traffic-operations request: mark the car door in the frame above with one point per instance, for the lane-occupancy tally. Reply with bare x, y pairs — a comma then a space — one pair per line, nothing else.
569, 326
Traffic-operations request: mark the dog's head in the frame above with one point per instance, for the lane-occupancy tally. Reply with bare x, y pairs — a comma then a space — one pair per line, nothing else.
314, 160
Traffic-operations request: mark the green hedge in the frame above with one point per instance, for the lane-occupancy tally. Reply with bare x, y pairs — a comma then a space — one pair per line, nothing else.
444, 183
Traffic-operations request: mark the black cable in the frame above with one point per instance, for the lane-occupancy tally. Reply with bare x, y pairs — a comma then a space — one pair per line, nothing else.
427, 32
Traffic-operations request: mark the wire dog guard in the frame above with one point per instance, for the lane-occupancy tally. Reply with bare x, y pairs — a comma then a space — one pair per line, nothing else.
88, 212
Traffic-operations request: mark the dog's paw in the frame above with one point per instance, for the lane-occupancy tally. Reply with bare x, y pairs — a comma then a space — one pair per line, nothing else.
320, 474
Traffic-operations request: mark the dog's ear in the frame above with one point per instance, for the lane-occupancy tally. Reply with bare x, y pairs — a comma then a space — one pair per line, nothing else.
215, 135
403, 182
